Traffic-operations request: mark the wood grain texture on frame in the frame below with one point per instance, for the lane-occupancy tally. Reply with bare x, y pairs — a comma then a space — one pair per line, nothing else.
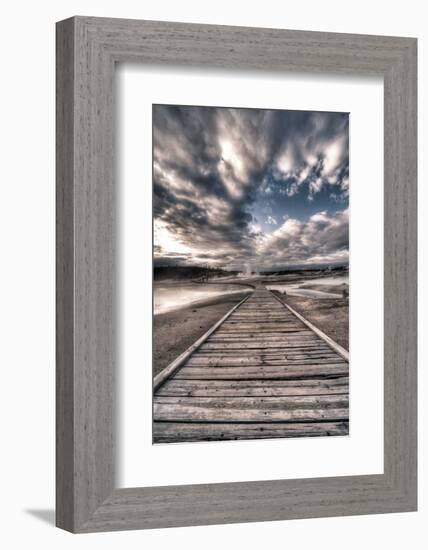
87, 50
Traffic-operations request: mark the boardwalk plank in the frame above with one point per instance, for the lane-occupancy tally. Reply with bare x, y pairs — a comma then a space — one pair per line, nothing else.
251, 373
195, 413
307, 335
258, 403
253, 388
230, 384
218, 346
171, 432
273, 353
220, 361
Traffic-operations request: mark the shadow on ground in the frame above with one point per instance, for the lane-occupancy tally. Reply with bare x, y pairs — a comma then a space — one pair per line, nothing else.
43, 514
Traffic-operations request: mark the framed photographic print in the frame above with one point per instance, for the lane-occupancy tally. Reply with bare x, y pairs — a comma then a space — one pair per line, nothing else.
250, 205
236, 274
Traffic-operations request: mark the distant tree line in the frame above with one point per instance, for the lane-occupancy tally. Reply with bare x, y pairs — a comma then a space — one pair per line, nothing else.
304, 269
202, 273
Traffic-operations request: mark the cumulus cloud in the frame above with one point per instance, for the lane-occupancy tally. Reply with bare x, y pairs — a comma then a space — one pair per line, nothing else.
271, 220
323, 238
216, 169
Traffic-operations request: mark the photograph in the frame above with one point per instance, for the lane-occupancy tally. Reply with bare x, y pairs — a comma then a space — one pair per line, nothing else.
250, 273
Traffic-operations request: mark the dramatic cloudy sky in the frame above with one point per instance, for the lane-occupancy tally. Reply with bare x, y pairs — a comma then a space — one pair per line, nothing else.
249, 188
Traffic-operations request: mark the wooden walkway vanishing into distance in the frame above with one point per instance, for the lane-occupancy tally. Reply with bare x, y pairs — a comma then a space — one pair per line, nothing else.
262, 371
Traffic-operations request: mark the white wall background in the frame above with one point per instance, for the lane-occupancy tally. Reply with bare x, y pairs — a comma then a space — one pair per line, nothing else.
27, 271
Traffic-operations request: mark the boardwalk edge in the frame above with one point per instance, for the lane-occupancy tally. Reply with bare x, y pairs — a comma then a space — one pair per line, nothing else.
334, 345
160, 378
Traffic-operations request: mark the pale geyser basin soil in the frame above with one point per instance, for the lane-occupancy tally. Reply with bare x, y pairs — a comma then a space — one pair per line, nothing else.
175, 331
329, 315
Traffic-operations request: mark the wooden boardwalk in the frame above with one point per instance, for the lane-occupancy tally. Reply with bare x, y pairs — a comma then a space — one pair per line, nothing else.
260, 373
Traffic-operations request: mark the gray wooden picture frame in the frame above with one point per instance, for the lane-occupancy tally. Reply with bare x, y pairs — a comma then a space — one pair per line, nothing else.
87, 50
